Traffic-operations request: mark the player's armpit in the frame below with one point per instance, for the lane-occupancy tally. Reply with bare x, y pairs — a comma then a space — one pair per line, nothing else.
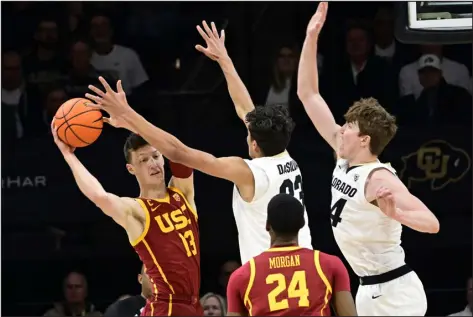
344, 304
410, 210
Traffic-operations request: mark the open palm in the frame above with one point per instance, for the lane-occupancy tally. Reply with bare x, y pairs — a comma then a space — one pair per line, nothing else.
215, 49
318, 19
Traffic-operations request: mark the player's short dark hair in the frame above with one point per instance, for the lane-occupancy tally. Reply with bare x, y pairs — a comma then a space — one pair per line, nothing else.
133, 142
285, 215
271, 127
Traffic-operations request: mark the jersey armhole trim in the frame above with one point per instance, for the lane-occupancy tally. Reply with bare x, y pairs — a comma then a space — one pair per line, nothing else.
252, 166
368, 177
147, 223
246, 299
177, 190
328, 287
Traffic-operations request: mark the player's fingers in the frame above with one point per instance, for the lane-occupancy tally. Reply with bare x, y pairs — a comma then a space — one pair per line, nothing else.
120, 86
96, 90
106, 120
207, 29
95, 98
105, 84
94, 105
222, 36
214, 30
202, 33
200, 48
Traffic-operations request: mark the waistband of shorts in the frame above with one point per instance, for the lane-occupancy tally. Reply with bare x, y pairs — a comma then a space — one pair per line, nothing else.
176, 298
385, 277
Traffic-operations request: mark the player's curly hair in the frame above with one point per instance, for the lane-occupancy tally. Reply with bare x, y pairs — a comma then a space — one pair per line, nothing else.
133, 142
271, 127
373, 120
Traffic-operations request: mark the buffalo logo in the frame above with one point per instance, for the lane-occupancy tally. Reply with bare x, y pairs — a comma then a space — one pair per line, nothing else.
437, 162
356, 177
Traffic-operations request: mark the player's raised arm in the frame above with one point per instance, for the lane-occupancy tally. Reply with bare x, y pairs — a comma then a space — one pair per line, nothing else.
113, 206
308, 81
216, 51
183, 179
233, 169
394, 199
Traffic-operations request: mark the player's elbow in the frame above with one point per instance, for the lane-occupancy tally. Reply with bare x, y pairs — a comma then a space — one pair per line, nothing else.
434, 225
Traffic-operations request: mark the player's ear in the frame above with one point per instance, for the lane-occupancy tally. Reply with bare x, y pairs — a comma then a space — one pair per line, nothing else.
140, 278
130, 169
365, 140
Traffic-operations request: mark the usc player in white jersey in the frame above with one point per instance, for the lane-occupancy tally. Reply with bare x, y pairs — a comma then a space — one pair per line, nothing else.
369, 202
271, 170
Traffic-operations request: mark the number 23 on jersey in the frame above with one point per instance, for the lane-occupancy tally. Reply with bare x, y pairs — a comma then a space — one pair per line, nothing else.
297, 289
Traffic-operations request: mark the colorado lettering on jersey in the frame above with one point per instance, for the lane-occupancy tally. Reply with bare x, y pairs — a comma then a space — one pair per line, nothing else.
343, 187
285, 261
289, 167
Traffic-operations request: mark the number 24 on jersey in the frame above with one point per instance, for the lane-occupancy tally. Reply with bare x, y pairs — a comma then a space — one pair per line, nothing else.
297, 289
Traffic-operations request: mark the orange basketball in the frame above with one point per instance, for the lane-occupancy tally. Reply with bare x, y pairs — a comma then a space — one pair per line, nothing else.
78, 125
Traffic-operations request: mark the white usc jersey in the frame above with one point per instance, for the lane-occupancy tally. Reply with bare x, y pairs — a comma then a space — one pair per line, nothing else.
273, 175
369, 240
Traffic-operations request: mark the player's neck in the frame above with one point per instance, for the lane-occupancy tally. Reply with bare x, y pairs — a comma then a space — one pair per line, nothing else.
153, 193
278, 242
362, 158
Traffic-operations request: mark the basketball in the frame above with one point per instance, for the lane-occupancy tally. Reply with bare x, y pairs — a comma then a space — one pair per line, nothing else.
78, 125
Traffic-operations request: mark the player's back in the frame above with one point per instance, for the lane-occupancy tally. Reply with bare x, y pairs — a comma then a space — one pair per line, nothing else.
289, 281
273, 175
169, 247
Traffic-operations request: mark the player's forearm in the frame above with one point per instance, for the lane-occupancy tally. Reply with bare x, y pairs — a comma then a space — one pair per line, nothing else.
240, 96
419, 220
166, 143
86, 182
308, 75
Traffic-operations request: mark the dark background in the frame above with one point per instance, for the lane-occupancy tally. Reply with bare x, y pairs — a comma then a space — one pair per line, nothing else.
49, 230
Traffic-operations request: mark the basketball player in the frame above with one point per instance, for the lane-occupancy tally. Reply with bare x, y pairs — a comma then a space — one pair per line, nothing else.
161, 225
271, 170
288, 280
133, 305
369, 202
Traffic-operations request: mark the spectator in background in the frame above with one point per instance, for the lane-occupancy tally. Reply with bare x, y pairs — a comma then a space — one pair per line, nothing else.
213, 305
55, 97
284, 68
361, 74
132, 305
469, 297
82, 73
118, 61
453, 72
75, 18
45, 65
75, 304
385, 44
439, 101
225, 271
21, 113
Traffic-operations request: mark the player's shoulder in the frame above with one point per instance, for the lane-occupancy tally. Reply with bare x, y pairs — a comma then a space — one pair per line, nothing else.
328, 261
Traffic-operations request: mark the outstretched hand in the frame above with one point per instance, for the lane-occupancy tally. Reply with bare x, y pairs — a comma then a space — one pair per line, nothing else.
114, 103
63, 147
318, 19
215, 49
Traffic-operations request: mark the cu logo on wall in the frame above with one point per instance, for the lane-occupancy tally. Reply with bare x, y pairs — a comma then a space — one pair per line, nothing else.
436, 162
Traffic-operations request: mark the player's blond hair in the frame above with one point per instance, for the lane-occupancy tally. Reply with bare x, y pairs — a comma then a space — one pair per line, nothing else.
373, 120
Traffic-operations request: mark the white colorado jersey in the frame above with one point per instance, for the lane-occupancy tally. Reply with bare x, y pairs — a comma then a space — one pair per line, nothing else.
369, 240
273, 175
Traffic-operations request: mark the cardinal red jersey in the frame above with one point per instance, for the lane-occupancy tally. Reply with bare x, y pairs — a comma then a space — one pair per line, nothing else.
169, 249
287, 281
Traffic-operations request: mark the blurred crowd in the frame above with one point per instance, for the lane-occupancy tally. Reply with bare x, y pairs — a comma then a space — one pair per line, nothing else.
53, 51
